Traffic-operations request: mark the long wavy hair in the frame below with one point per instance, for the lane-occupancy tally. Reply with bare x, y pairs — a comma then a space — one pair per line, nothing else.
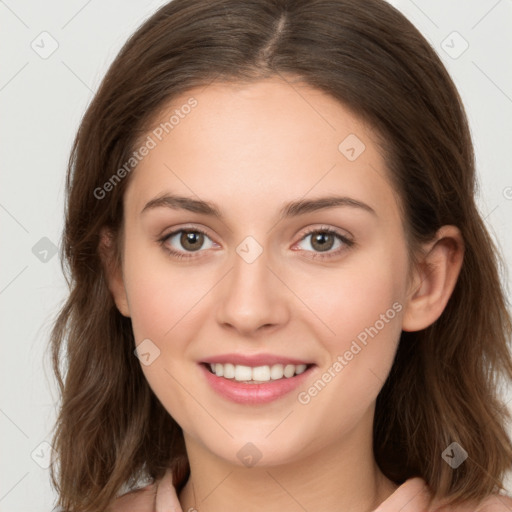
444, 383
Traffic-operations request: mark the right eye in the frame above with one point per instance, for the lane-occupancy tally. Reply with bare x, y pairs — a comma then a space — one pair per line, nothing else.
191, 240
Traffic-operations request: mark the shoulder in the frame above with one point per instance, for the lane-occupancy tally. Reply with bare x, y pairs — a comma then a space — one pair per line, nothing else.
140, 500
493, 503
414, 496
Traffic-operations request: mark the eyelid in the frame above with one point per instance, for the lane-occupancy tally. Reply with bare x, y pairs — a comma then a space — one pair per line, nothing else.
185, 227
324, 227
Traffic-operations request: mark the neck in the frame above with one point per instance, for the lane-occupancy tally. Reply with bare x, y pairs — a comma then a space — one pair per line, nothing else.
341, 476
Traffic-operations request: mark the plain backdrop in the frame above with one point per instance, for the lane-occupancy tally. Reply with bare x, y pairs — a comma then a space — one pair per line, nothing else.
53, 57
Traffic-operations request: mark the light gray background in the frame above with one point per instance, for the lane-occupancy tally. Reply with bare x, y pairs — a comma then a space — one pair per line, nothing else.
42, 101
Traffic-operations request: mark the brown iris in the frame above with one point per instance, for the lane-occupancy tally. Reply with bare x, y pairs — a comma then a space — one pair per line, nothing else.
192, 240
324, 240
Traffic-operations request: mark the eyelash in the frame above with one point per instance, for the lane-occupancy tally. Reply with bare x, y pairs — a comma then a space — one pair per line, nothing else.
315, 255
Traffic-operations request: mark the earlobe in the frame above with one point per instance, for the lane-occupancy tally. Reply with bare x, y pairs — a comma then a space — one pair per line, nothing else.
435, 279
113, 271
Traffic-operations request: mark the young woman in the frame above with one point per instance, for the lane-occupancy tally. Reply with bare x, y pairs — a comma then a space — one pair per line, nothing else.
283, 296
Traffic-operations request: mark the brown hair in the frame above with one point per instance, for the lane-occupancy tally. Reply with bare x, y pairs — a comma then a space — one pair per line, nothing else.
443, 386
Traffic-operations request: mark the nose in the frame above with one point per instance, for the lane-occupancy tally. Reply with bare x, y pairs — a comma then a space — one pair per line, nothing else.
252, 298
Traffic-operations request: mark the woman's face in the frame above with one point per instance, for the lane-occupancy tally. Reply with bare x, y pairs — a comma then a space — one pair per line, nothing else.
265, 279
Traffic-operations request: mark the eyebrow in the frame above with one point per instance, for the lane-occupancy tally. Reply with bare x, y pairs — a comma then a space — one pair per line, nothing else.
291, 209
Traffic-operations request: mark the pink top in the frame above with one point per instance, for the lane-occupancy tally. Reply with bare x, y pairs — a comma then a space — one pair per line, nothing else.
411, 496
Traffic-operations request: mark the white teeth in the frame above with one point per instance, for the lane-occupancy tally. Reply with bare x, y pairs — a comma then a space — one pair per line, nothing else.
301, 368
276, 372
261, 373
289, 370
228, 370
243, 373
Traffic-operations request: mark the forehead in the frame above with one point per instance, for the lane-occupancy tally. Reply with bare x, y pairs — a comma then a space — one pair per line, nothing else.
253, 142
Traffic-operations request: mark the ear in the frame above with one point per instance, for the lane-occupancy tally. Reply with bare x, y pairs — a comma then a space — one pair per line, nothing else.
113, 271
434, 279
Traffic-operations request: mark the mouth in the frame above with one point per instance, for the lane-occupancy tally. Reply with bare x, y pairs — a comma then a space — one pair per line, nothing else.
260, 374
255, 379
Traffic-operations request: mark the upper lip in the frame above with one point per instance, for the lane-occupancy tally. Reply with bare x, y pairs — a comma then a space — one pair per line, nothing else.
254, 360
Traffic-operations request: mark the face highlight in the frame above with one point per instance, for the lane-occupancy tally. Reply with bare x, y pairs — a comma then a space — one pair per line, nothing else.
264, 223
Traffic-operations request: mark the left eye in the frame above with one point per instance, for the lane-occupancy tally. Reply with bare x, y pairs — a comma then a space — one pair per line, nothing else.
190, 240
323, 240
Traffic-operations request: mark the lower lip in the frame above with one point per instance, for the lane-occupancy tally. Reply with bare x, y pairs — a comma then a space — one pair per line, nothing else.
243, 393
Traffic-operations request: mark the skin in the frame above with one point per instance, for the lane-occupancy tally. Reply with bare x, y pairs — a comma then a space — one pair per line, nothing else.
249, 149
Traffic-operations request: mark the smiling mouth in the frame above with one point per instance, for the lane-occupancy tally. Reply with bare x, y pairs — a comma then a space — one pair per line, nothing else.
256, 374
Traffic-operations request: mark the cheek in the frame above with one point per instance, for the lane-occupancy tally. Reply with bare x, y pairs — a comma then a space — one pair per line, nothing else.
364, 293
161, 300
360, 308
161, 297
360, 356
